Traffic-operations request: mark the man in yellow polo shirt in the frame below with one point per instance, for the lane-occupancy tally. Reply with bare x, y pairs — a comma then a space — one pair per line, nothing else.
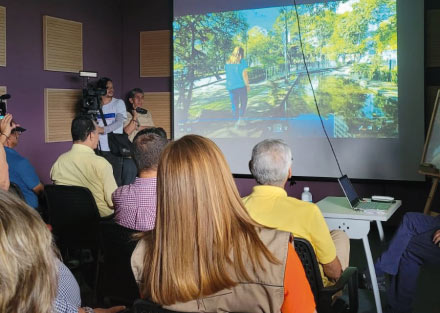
82, 167
269, 205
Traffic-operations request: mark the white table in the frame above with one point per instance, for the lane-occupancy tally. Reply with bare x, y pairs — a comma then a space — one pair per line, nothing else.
356, 224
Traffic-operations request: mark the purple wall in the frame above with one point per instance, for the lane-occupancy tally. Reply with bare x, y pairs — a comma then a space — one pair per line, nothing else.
24, 75
141, 15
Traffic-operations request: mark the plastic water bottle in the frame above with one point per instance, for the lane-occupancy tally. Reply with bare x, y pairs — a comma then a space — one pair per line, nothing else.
306, 195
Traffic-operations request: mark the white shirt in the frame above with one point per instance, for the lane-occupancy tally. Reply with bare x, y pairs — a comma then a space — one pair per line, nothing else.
110, 110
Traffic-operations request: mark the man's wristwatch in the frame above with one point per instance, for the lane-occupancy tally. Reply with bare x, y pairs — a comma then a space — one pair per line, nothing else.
88, 310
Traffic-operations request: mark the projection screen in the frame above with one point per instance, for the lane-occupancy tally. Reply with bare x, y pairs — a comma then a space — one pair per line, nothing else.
239, 78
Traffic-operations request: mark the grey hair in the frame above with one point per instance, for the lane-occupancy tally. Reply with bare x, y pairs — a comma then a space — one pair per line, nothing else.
270, 163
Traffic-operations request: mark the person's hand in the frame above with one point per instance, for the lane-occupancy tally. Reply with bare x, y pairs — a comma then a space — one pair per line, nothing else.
100, 129
6, 125
134, 114
436, 238
113, 309
248, 88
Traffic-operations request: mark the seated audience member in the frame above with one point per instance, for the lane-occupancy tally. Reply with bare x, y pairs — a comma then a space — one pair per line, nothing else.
5, 131
206, 254
415, 243
135, 204
82, 167
135, 121
21, 170
33, 279
269, 205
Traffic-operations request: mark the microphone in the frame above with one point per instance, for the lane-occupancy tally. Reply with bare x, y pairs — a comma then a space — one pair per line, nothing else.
141, 110
5, 96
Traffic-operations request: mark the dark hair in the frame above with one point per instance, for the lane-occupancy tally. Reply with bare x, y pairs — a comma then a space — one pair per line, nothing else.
82, 126
147, 149
152, 130
102, 82
131, 95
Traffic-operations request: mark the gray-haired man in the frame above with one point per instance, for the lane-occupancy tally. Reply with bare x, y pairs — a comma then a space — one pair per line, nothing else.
269, 205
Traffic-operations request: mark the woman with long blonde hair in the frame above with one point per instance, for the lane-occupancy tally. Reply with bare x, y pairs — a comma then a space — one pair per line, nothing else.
32, 278
237, 82
206, 253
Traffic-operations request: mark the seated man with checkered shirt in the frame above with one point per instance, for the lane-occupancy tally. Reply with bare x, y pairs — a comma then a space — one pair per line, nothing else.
135, 204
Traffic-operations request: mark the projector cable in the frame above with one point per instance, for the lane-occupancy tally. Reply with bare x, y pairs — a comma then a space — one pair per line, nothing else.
313, 90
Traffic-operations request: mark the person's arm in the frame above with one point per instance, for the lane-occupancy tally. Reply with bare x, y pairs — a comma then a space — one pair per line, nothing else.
324, 246
38, 189
5, 128
118, 123
132, 125
298, 297
5, 132
4, 169
333, 270
113, 309
246, 80
109, 183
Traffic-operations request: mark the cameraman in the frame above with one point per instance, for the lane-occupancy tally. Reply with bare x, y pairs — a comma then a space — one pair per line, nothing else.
114, 113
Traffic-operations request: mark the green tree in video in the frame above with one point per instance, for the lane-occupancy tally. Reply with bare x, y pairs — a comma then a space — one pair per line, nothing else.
201, 43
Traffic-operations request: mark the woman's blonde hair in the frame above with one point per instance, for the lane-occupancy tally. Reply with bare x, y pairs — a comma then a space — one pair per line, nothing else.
28, 270
202, 227
236, 56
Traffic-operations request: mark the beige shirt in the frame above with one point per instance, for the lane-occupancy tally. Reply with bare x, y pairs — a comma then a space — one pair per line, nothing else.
82, 167
263, 293
143, 120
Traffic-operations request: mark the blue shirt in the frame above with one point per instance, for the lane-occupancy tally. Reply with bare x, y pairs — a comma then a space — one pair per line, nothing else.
234, 75
23, 174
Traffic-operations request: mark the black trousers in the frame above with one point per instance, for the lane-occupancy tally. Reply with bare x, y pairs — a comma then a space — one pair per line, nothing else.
124, 169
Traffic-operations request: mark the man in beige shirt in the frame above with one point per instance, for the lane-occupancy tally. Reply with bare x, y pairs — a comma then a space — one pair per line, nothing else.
82, 167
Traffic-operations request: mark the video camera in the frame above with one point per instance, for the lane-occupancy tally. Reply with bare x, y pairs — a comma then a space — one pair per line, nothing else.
91, 95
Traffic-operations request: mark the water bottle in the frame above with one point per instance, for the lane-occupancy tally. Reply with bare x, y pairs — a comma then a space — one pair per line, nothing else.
306, 195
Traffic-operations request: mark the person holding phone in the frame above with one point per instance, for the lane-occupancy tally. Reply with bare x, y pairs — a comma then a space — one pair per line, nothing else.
137, 117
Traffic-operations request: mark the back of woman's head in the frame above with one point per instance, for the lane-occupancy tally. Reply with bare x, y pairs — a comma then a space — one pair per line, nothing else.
236, 55
28, 272
202, 227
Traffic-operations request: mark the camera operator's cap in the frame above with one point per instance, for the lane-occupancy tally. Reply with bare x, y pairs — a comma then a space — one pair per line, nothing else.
17, 127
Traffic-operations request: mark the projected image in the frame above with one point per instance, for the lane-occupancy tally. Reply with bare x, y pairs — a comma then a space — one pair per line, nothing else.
241, 73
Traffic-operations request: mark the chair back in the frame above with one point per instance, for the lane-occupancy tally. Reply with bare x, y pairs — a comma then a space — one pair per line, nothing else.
15, 189
74, 216
308, 258
117, 282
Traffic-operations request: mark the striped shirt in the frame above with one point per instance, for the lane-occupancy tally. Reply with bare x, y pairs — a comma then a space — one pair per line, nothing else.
135, 204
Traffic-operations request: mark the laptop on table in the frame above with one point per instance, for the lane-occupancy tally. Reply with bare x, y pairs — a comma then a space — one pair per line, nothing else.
355, 202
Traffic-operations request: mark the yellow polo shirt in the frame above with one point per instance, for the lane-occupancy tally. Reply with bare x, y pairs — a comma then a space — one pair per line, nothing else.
270, 206
82, 167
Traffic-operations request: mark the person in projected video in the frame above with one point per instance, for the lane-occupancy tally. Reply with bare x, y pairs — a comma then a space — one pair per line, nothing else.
237, 82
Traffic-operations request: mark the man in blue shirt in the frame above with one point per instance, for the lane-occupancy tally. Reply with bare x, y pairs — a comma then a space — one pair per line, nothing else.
21, 171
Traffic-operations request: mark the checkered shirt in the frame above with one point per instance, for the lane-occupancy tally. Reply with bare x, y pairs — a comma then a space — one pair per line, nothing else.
135, 204
68, 298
